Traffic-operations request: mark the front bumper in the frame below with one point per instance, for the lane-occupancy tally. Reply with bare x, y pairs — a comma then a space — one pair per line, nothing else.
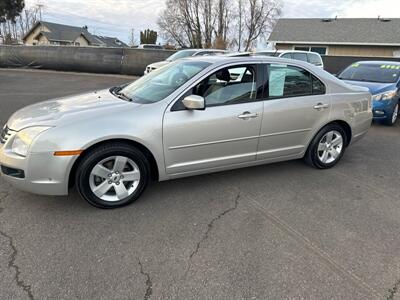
44, 173
383, 109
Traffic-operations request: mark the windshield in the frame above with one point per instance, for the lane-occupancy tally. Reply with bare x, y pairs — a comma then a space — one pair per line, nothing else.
160, 83
382, 73
181, 54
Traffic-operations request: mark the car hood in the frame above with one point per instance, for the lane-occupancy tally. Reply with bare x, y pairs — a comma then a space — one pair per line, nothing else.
373, 87
68, 109
159, 64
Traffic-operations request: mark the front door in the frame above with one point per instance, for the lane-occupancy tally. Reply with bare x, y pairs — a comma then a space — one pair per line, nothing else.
295, 105
224, 133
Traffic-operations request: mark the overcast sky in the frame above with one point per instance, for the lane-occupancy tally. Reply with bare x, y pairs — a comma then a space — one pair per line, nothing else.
117, 17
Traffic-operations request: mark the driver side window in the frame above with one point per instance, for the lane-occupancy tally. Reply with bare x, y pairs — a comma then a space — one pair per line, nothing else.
228, 86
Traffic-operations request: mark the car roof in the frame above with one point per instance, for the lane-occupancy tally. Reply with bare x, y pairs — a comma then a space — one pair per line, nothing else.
237, 54
378, 62
150, 45
225, 59
285, 51
205, 50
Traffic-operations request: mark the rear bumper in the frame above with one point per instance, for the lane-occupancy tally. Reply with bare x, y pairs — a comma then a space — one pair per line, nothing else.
43, 173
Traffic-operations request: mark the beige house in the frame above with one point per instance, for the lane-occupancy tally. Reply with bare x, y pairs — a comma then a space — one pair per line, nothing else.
339, 37
46, 33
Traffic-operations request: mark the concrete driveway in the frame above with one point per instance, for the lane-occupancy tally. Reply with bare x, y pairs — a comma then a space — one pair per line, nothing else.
280, 231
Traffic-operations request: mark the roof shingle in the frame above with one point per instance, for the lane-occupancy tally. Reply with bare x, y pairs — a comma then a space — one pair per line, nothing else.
351, 31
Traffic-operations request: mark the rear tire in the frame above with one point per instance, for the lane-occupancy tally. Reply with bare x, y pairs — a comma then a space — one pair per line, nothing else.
327, 147
112, 175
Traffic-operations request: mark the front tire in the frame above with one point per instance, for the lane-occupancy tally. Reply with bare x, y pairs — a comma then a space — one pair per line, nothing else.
391, 120
327, 147
112, 175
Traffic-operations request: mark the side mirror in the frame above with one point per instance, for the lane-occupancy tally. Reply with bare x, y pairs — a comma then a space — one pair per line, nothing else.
194, 102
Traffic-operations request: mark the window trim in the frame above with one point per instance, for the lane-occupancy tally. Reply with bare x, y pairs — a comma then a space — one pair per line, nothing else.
312, 46
266, 70
258, 67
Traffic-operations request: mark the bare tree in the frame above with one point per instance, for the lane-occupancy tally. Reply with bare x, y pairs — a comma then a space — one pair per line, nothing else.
188, 22
26, 20
207, 6
173, 24
260, 18
240, 24
217, 23
223, 12
15, 30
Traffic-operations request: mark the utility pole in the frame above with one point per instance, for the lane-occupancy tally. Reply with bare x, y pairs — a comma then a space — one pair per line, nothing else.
40, 8
132, 37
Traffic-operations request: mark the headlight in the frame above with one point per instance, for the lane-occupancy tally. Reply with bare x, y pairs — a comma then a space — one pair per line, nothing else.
385, 96
23, 139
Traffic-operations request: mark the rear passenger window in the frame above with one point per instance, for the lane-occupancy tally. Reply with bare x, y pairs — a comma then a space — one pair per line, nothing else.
317, 86
289, 81
300, 56
287, 55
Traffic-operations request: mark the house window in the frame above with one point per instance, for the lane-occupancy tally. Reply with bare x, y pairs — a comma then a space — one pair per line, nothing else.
318, 49
298, 48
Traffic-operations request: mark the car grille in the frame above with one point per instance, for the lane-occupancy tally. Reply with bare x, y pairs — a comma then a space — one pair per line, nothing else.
5, 134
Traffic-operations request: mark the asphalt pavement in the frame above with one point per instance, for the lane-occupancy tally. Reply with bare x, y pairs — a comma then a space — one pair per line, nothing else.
279, 231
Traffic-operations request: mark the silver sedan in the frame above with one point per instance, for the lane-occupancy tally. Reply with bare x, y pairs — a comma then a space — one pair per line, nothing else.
194, 116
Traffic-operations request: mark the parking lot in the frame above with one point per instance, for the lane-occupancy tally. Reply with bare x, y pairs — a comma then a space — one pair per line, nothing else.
280, 231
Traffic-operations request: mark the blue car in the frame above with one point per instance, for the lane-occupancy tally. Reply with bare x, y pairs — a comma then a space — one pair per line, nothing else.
382, 78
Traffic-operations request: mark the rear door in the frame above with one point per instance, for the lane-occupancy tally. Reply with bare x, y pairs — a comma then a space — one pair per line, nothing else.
295, 104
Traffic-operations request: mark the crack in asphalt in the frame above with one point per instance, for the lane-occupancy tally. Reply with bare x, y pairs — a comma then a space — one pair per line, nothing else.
205, 236
393, 291
211, 225
11, 263
3, 195
149, 283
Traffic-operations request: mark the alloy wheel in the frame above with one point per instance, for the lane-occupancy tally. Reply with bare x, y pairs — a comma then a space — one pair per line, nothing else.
114, 178
395, 113
330, 147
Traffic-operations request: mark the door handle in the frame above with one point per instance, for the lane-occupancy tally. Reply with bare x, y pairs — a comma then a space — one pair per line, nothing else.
247, 115
321, 106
